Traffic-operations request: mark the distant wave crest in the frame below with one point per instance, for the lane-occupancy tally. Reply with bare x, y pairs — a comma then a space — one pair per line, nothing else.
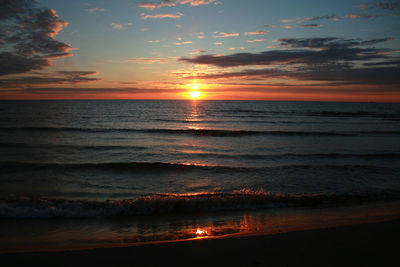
198, 132
243, 199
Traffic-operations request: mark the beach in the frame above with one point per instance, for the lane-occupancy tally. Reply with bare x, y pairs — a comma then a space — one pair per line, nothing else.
371, 244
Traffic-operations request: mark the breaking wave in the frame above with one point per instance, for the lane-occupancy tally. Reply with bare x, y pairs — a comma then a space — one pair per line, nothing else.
187, 203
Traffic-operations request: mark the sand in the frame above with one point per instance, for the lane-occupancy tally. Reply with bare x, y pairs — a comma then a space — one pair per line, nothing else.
375, 244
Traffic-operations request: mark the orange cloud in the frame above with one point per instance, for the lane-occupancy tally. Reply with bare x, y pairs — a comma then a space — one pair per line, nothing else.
224, 35
117, 26
256, 40
183, 43
170, 3
162, 16
95, 9
148, 60
256, 33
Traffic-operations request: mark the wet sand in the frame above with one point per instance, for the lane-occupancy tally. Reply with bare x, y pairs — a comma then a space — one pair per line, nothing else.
374, 244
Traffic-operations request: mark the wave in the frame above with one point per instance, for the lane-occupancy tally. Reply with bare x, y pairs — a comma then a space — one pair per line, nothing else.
199, 132
165, 167
354, 114
61, 146
189, 120
165, 203
298, 156
195, 132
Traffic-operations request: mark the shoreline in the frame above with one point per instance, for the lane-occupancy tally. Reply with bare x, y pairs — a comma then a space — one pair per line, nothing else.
367, 244
62, 235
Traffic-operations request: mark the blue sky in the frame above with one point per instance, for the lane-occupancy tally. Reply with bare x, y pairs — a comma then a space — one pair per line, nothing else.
271, 50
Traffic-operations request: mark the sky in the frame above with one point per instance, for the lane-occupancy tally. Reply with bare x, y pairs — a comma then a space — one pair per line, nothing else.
220, 49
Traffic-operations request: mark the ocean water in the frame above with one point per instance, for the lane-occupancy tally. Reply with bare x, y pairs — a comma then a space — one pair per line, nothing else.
124, 159
103, 158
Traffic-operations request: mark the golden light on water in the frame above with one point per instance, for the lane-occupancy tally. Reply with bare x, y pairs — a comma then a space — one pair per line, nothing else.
200, 232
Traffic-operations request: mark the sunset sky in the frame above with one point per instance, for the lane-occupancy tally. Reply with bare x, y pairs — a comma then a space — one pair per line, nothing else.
223, 49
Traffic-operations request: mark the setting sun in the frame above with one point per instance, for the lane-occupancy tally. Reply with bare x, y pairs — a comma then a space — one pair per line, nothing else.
194, 94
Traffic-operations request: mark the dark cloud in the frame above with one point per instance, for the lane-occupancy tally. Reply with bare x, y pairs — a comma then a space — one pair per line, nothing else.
334, 17
376, 41
60, 77
380, 5
264, 73
389, 6
367, 16
12, 63
384, 63
330, 75
331, 43
311, 25
374, 75
128, 82
27, 37
308, 51
76, 92
329, 60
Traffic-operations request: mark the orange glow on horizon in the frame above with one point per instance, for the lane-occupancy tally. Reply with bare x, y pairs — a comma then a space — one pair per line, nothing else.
194, 94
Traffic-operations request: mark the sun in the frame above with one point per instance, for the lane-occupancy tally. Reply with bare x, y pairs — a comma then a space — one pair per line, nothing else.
194, 94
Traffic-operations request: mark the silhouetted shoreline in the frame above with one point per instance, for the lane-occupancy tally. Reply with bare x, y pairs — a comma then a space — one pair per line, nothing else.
356, 245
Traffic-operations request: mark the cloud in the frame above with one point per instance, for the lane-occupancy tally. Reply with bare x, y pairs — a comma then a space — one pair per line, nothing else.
59, 77
177, 15
311, 25
129, 82
256, 40
326, 17
304, 51
224, 35
359, 16
95, 9
117, 26
269, 26
256, 33
328, 60
28, 37
199, 35
79, 92
288, 20
148, 60
198, 51
170, 3
380, 5
300, 20
328, 74
183, 43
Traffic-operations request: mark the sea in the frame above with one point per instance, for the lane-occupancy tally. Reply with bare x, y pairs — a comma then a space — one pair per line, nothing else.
93, 173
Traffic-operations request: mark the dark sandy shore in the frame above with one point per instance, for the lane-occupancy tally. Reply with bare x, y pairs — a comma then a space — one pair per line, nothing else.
375, 244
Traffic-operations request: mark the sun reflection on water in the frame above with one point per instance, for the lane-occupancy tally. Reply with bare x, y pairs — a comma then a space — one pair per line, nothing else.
200, 232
